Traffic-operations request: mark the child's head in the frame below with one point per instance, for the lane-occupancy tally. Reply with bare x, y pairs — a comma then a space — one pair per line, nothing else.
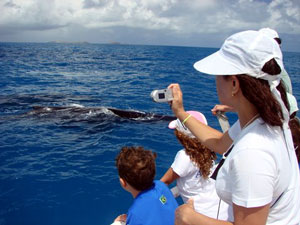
136, 166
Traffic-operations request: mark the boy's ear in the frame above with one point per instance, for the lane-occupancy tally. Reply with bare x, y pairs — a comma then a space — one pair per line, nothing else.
122, 182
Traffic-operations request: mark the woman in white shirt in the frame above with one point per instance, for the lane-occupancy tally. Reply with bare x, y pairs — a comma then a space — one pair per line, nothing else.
259, 177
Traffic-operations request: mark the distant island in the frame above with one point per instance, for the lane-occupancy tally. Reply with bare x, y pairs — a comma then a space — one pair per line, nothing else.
68, 42
114, 43
82, 42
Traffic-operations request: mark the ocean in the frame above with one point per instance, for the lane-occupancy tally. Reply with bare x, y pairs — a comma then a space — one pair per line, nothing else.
59, 136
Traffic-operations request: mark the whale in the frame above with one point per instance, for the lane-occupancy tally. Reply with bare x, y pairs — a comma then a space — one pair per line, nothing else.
73, 111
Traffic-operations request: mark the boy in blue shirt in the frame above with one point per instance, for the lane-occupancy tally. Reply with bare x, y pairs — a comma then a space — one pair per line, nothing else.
153, 201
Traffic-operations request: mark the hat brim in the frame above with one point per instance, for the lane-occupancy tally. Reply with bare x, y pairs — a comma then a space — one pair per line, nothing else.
172, 124
217, 64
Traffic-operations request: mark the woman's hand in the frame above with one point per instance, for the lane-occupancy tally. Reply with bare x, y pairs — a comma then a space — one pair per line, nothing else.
184, 213
121, 218
177, 102
222, 108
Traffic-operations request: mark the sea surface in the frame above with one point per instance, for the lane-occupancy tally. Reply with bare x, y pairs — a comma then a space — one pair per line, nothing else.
59, 138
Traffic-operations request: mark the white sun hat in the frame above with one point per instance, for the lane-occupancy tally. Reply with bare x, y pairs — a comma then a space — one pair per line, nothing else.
243, 53
269, 32
291, 99
177, 124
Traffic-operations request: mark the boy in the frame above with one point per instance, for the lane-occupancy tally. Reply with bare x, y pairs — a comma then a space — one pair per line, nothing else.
153, 201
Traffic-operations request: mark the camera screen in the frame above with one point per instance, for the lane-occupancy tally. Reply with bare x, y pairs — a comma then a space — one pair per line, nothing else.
161, 95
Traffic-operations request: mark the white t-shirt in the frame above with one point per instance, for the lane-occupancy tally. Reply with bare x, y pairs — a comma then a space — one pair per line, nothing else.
235, 130
259, 169
192, 185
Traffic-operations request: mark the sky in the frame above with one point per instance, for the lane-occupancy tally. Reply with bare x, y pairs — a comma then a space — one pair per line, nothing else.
199, 23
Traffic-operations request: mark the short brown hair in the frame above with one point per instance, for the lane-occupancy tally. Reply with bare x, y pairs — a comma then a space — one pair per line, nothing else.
136, 166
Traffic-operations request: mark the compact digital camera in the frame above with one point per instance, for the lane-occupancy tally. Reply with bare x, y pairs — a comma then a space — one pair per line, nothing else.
164, 95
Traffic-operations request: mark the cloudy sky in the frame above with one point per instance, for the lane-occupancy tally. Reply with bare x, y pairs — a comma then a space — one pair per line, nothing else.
203, 23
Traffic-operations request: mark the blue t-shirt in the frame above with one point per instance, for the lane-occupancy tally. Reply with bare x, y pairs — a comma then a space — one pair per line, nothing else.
154, 206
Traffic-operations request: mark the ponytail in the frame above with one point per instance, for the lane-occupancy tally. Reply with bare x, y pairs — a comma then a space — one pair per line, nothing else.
257, 91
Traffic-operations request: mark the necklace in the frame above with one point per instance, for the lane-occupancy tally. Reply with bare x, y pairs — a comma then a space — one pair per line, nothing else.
251, 120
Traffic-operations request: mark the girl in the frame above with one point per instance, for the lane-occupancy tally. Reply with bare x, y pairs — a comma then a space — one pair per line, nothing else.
192, 169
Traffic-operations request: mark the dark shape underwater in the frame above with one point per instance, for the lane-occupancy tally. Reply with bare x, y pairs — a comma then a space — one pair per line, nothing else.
79, 113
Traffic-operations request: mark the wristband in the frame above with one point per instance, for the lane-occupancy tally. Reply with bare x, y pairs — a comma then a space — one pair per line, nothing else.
186, 119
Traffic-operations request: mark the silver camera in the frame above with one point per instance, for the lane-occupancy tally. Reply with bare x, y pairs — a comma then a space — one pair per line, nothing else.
164, 95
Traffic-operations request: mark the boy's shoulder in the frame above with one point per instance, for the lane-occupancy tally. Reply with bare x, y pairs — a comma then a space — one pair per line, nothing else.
159, 196
153, 205
154, 192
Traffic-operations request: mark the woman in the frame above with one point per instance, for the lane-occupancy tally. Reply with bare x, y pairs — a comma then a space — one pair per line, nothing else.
260, 175
192, 168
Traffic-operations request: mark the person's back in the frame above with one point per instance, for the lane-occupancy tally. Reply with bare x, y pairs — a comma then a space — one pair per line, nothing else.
266, 162
191, 184
155, 205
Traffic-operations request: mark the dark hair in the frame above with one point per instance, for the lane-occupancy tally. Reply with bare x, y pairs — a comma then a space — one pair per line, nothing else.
294, 124
278, 40
198, 153
257, 91
136, 166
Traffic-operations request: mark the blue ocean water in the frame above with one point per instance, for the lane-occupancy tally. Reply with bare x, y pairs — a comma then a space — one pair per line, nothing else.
57, 166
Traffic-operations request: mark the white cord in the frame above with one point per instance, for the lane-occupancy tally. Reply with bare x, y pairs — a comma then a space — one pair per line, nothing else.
219, 209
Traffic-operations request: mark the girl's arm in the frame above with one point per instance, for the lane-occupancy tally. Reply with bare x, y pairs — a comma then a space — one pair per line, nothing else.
169, 176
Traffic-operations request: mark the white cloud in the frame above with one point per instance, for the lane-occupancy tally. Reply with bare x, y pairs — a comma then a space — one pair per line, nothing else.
177, 17
285, 14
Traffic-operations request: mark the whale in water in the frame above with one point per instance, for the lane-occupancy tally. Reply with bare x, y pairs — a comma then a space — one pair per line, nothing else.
73, 111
